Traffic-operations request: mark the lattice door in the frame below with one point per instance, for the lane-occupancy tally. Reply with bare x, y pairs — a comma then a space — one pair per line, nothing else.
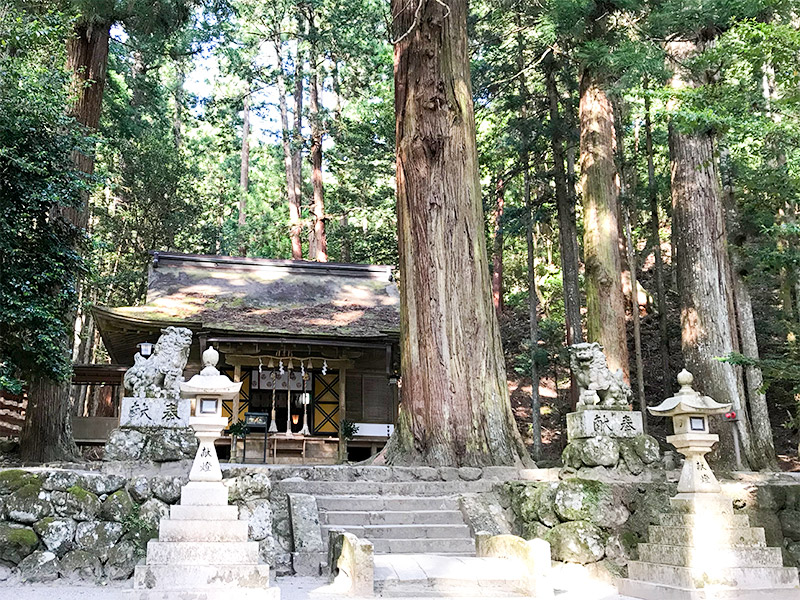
326, 403
244, 396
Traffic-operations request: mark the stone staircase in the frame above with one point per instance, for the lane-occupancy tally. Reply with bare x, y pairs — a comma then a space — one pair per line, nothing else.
399, 524
202, 553
708, 552
405, 517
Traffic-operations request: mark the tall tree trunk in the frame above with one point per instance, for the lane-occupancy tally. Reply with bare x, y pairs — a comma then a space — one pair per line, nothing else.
297, 141
605, 301
753, 377
655, 232
47, 431
286, 142
456, 408
533, 316
497, 248
625, 213
707, 323
567, 227
178, 99
244, 172
320, 243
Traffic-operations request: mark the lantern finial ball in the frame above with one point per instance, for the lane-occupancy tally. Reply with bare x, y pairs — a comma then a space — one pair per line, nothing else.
210, 357
685, 378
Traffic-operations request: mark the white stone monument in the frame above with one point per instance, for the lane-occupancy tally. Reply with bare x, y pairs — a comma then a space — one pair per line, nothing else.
202, 551
702, 550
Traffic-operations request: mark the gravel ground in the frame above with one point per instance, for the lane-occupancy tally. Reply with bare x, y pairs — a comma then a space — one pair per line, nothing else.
292, 588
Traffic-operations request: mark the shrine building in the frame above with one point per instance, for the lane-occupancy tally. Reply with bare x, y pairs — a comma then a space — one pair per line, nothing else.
314, 344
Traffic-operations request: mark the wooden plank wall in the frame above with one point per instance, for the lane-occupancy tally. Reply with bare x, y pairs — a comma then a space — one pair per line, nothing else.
12, 414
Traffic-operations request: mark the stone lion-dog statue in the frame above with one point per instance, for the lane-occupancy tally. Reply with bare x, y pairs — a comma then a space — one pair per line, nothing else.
160, 374
598, 387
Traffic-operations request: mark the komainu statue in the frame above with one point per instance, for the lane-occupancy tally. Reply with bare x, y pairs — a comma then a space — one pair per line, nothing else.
160, 374
598, 387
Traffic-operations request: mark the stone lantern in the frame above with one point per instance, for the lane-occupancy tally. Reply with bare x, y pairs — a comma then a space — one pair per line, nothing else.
690, 411
207, 390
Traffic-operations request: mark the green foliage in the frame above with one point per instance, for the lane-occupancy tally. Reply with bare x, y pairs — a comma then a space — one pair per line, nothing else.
349, 429
39, 186
138, 530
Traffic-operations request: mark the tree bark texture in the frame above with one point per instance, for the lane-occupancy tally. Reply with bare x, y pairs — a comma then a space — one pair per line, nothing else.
47, 431
286, 143
455, 407
533, 316
708, 319
655, 232
297, 144
320, 245
244, 172
605, 301
497, 248
748, 343
567, 227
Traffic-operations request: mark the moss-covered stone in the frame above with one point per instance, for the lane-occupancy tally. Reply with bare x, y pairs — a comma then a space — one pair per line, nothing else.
13, 479
117, 506
39, 566
80, 504
80, 565
592, 501
646, 448
56, 534
16, 542
28, 504
577, 541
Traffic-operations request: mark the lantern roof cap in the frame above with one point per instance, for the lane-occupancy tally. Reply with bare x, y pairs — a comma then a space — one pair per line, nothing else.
210, 382
688, 401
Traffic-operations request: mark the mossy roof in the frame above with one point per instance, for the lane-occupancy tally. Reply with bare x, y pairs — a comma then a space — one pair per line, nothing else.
263, 297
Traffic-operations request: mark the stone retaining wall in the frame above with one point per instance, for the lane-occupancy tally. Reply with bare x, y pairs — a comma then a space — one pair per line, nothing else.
95, 525
587, 521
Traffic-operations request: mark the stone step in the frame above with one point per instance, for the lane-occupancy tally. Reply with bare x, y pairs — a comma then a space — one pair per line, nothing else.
375, 488
403, 532
271, 593
733, 577
714, 504
654, 591
421, 517
685, 556
202, 553
458, 546
197, 493
201, 513
443, 576
381, 503
695, 520
184, 530
180, 577
721, 538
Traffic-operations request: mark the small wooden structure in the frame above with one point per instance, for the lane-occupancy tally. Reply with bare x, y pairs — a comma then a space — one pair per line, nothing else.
318, 340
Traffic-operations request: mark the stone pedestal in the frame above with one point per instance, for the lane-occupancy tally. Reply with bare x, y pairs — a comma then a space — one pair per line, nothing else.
614, 423
701, 550
608, 438
202, 552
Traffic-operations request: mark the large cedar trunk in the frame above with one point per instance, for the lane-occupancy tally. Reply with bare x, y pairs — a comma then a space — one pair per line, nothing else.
567, 227
497, 248
297, 145
47, 432
286, 142
455, 406
244, 173
605, 301
706, 332
318, 249
533, 316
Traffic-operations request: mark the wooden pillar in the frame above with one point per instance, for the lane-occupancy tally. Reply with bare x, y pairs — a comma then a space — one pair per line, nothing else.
342, 413
237, 377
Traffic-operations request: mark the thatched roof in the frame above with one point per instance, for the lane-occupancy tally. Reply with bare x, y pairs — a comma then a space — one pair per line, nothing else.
259, 297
